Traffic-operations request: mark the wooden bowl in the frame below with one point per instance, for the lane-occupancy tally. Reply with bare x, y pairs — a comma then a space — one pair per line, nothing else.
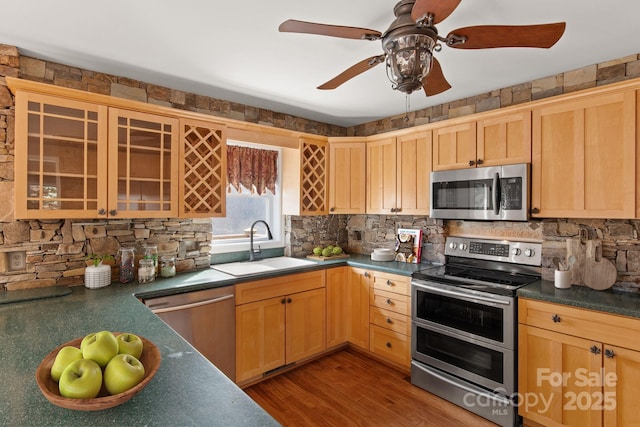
150, 358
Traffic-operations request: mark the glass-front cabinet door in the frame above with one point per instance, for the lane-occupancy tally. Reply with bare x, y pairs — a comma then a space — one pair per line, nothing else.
143, 165
61, 157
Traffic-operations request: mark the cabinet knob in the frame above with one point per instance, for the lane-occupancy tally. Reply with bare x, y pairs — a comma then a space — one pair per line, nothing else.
289, 300
366, 274
102, 212
535, 210
555, 318
389, 301
113, 212
609, 353
332, 210
479, 162
389, 282
283, 301
388, 345
389, 321
594, 349
472, 162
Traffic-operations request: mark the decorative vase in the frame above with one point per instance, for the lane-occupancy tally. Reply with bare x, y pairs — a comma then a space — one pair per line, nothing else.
97, 276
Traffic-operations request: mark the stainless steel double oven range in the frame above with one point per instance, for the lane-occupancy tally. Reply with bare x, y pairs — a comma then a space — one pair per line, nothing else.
464, 324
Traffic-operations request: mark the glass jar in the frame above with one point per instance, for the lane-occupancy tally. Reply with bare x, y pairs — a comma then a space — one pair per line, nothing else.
167, 266
151, 252
146, 270
127, 264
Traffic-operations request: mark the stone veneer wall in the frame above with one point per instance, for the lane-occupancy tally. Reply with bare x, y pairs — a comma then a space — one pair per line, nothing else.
602, 74
56, 249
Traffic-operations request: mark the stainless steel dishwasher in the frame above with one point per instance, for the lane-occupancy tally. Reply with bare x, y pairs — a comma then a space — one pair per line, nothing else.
206, 319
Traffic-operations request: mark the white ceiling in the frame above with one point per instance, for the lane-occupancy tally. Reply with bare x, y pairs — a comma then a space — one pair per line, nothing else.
232, 50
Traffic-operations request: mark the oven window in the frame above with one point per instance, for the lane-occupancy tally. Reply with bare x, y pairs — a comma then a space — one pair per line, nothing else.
473, 358
467, 195
477, 319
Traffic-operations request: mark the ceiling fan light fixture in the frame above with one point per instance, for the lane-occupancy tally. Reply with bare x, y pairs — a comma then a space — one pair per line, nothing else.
408, 60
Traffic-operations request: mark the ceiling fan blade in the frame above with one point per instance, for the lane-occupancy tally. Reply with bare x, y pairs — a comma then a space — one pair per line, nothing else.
352, 71
491, 36
435, 82
440, 9
294, 26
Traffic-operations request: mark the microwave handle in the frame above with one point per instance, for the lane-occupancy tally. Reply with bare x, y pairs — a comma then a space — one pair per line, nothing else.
496, 194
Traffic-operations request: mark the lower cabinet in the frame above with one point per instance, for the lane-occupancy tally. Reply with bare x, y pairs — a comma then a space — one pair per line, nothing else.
337, 313
577, 367
279, 321
390, 318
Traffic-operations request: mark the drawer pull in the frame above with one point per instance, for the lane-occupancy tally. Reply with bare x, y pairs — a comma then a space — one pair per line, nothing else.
389, 301
595, 349
389, 321
609, 353
389, 283
555, 318
388, 345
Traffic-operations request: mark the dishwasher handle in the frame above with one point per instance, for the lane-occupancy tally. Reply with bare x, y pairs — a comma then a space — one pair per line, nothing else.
190, 305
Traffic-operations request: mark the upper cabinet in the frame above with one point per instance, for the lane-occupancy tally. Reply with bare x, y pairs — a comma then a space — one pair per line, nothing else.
203, 171
305, 178
84, 160
398, 171
584, 157
142, 164
485, 140
347, 167
61, 145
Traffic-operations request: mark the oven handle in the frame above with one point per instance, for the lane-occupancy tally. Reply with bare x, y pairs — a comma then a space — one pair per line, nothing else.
462, 294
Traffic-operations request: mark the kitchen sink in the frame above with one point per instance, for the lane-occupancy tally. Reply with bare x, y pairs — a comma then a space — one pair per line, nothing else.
267, 265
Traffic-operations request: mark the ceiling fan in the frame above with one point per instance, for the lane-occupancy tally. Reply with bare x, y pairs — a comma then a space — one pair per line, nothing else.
412, 38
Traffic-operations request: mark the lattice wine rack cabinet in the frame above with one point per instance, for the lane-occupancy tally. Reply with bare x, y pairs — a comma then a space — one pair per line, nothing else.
204, 169
314, 177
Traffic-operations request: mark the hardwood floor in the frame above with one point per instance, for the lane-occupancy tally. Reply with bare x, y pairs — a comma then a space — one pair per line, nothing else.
348, 388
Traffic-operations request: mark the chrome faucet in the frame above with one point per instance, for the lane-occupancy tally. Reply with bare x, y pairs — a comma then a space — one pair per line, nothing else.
252, 252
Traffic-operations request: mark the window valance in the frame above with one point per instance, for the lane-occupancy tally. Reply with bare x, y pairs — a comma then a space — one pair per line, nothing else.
252, 168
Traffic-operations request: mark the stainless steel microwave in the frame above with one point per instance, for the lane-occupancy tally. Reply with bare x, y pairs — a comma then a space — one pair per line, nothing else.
488, 193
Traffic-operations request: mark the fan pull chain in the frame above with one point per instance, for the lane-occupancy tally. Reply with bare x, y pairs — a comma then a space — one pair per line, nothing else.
407, 108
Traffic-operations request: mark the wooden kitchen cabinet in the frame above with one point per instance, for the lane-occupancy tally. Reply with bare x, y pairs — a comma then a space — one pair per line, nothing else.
347, 173
358, 306
490, 139
390, 318
85, 160
305, 178
398, 170
203, 169
337, 289
597, 353
584, 157
279, 321
61, 147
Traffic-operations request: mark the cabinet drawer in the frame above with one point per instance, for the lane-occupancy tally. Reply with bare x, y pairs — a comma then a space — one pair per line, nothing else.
277, 286
590, 324
390, 301
391, 345
392, 283
390, 320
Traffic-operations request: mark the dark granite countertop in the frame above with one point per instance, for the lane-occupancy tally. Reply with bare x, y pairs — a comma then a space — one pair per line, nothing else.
187, 389
609, 301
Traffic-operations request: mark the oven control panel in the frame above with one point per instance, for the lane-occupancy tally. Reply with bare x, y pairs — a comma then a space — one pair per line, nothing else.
527, 253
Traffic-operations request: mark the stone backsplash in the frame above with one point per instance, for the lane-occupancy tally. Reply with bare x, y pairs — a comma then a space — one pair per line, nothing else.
363, 233
56, 250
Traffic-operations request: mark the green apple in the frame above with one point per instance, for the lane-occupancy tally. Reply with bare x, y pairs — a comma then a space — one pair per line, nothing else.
130, 344
100, 347
65, 356
317, 250
337, 250
122, 373
81, 379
